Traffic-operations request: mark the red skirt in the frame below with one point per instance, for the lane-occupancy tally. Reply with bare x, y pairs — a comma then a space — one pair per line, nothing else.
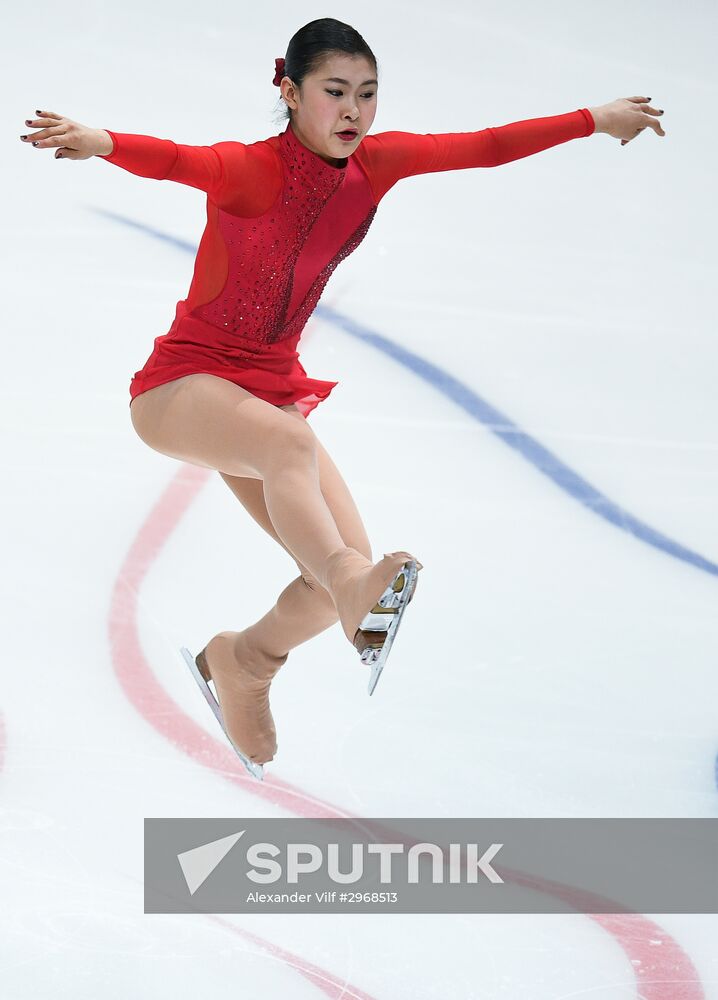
272, 372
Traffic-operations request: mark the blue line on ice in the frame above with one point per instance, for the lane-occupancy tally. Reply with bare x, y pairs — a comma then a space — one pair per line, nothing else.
534, 452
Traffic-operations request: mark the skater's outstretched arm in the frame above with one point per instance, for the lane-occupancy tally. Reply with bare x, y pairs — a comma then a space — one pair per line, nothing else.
389, 156
247, 177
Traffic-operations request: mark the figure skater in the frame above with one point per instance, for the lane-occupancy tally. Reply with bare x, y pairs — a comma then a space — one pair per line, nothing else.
224, 387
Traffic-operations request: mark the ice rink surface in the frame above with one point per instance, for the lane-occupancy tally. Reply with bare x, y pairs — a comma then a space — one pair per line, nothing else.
528, 363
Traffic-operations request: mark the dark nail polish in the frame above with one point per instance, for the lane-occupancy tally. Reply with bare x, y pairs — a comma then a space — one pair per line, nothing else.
28, 122
649, 98
23, 137
34, 144
661, 111
38, 112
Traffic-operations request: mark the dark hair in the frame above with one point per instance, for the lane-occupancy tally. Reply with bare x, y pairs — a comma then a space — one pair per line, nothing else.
309, 47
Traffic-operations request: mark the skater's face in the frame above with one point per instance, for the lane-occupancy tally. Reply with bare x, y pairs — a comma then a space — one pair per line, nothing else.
326, 106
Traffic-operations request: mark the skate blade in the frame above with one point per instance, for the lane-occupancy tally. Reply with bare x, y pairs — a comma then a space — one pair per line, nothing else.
256, 770
397, 601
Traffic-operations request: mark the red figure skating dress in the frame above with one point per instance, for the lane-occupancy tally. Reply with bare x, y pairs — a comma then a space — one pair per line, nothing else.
279, 220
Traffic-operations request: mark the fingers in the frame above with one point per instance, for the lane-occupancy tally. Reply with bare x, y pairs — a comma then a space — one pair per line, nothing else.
51, 126
655, 125
46, 137
625, 141
66, 137
650, 113
44, 118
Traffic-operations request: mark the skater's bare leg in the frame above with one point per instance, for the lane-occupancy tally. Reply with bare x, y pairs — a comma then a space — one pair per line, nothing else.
304, 608
191, 427
209, 421
244, 663
353, 580
299, 614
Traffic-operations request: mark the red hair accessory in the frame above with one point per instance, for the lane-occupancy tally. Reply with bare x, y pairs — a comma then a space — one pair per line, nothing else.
279, 71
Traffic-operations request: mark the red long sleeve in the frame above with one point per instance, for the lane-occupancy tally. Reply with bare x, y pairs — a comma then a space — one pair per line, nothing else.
280, 219
246, 178
389, 156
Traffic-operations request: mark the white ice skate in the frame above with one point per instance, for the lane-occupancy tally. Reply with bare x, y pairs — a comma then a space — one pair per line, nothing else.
377, 630
256, 770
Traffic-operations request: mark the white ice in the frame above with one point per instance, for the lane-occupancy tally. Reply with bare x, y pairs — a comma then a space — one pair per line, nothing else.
553, 663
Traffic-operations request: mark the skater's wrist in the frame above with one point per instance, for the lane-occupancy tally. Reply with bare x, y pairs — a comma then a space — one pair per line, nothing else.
105, 145
598, 116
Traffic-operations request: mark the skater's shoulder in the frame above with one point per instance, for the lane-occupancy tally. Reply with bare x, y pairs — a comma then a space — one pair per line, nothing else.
388, 156
261, 152
252, 174
391, 147
388, 140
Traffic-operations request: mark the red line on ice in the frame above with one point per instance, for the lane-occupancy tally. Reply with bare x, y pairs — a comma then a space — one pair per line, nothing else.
663, 970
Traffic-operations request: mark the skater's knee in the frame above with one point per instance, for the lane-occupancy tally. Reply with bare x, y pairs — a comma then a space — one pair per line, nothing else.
296, 446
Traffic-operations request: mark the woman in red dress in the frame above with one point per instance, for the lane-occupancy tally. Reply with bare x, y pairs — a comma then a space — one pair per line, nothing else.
224, 387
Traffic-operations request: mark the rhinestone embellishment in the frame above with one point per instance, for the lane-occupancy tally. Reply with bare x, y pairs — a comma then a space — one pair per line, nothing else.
262, 252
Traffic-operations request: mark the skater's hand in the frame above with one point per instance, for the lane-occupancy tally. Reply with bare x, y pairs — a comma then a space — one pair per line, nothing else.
626, 117
75, 141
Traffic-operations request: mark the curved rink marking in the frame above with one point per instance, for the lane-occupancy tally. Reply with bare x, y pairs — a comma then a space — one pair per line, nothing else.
664, 970
672, 974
